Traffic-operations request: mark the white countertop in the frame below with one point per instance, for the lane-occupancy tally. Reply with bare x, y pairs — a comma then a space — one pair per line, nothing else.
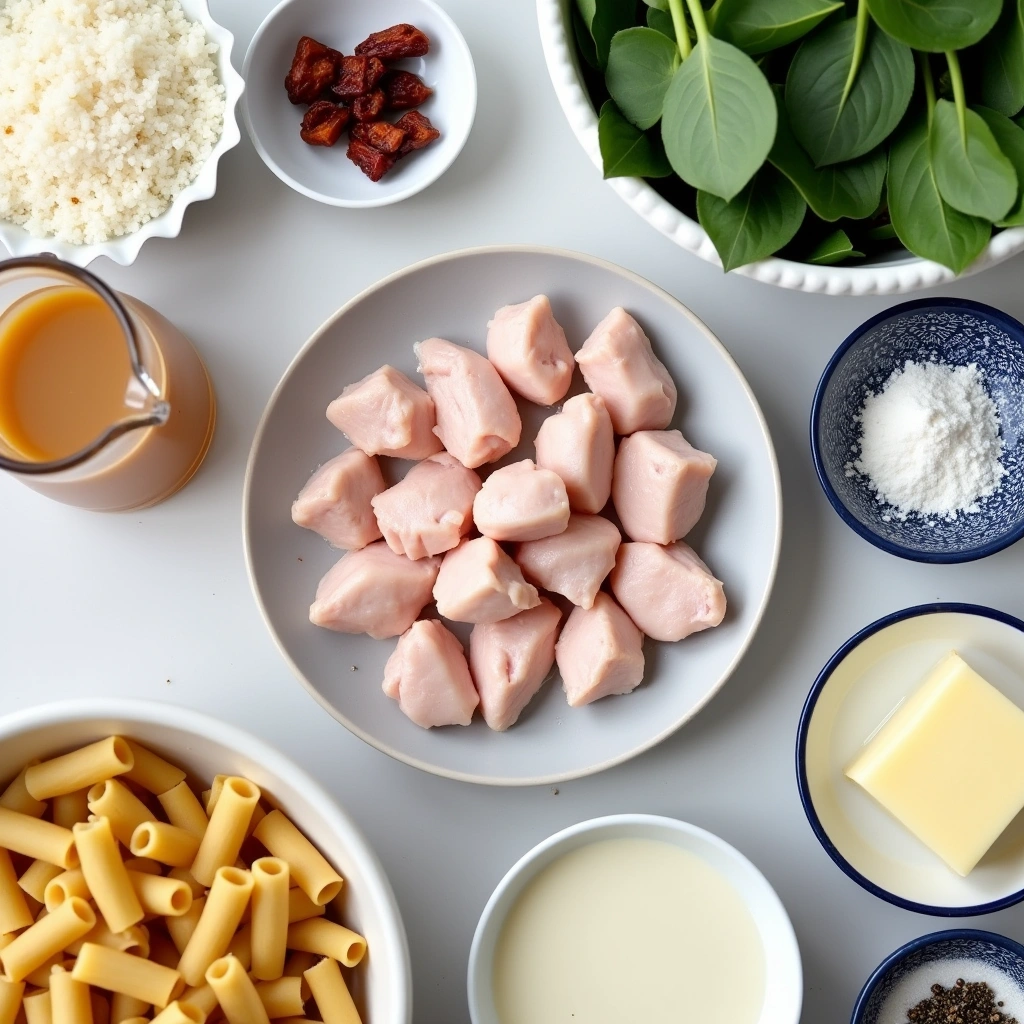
157, 604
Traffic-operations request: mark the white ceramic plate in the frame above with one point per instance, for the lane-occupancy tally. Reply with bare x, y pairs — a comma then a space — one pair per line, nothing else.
454, 296
862, 685
783, 971
326, 174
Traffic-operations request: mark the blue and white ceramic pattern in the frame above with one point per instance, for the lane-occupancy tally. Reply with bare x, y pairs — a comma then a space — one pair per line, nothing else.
953, 331
999, 955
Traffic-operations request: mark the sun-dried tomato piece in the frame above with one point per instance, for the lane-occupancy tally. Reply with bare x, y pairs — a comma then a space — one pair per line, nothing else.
368, 107
419, 132
382, 135
313, 69
394, 43
357, 76
372, 162
404, 90
324, 122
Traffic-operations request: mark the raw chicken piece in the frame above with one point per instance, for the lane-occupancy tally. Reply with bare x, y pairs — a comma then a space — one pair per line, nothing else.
576, 562
660, 485
600, 652
429, 511
619, 364
429, 677
336, 500
387, 414
511, 659
529, 350
477, 418
579, 445
374, 591
521, 502
478, 582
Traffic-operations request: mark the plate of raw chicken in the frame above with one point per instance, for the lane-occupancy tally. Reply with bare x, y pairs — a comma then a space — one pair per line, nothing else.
512, 515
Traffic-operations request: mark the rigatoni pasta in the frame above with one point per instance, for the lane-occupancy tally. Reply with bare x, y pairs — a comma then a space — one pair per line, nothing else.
327, 939
40, 840
80, 769
70, 1000
48, 936
70, 808
36, 877
17, 798
120, 806
14, 911
152, 772
270, 898
283, 997
317, 879
184, 810
225, 905
37, 1008
167, 844
179, 1012
106, 876
331, 994
235, 992
131, 975
123, 1008
226, 832
10, 1000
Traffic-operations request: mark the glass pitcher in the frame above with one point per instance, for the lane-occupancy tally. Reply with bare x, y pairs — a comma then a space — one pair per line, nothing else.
104, 404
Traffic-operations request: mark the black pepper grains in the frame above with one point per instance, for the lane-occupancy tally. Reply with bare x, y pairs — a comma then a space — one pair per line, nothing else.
967, 1002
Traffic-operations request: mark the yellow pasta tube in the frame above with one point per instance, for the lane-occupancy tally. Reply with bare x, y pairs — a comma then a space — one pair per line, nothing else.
240, 946
71, 808
131, 975
14, 911
181, 927
120, 806
317, 879
17, 798
106, 875
333, 999
40, 840
226, 832
203, 998
182, 875
212, 795
151, 772
10, 1000
145, 865
301, 907
235, 992
164, 843
327, 939
63, 886
184, 810
69, 999
269, 917
180, 1012
131, 940
48, 936
37, 876
283, 997
37, 1008
225, 905
123, 1008
79, 769
165, 897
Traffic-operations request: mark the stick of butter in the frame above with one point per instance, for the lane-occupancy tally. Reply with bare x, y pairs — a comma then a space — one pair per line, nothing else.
949, 764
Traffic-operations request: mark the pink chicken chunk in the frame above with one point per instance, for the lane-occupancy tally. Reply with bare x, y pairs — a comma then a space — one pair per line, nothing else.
667, 591
477, 418
618, 364
429, 511
387, 414
374, 591
478, 582
599, 653
528, 348
336, 501
578, 444
521, 502
429, 677
660, 485
576, 562
511, 659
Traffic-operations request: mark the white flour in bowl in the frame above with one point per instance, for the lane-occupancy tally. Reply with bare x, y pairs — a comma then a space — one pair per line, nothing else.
930, 441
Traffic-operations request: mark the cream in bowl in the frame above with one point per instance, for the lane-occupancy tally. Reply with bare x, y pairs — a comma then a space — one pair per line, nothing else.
634, 917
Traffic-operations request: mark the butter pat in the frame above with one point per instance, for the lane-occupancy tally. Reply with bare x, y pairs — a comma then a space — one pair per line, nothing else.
949, 764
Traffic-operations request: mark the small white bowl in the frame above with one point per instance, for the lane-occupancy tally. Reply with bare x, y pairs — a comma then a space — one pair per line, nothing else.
326, 174
125, 249
205, 747
783, 970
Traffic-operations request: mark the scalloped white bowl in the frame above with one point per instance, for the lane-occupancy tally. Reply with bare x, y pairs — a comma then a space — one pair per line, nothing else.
125, 249
883, 278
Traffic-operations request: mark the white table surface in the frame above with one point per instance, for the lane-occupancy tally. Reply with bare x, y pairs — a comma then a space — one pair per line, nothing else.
157, 604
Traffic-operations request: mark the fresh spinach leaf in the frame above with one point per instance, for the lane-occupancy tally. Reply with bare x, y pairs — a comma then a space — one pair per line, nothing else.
584, 40
835, 248
757, 26
719, 118
641, 63
836, 119
604, 18
661, 21
973, 174
657, 5
882, 233
923, 221
1002, 61
1010, 137
936, 25
757, 222
626, 151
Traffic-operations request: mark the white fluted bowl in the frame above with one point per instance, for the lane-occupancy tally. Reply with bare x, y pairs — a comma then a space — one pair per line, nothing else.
125, 249
881, 278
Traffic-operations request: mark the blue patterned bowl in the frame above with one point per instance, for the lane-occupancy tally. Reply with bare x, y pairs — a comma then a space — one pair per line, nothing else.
953, 331
905, 977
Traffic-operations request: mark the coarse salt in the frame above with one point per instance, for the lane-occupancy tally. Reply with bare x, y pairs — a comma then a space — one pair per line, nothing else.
930, 441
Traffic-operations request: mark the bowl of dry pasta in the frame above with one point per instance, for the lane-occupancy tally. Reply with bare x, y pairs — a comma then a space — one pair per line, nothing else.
159, 865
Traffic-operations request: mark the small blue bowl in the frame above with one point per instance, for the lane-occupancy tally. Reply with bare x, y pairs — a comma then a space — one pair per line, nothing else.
1001, 958
953, 331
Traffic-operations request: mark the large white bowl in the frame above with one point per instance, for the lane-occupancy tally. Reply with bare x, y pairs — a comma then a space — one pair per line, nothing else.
125, 249
783, 995
205, 747
883, 278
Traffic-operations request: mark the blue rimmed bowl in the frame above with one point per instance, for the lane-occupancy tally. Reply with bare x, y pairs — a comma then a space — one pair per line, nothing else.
953, 331
905, 977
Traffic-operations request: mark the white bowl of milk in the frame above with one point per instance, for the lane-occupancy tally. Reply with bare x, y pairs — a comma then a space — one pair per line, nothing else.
634, 917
